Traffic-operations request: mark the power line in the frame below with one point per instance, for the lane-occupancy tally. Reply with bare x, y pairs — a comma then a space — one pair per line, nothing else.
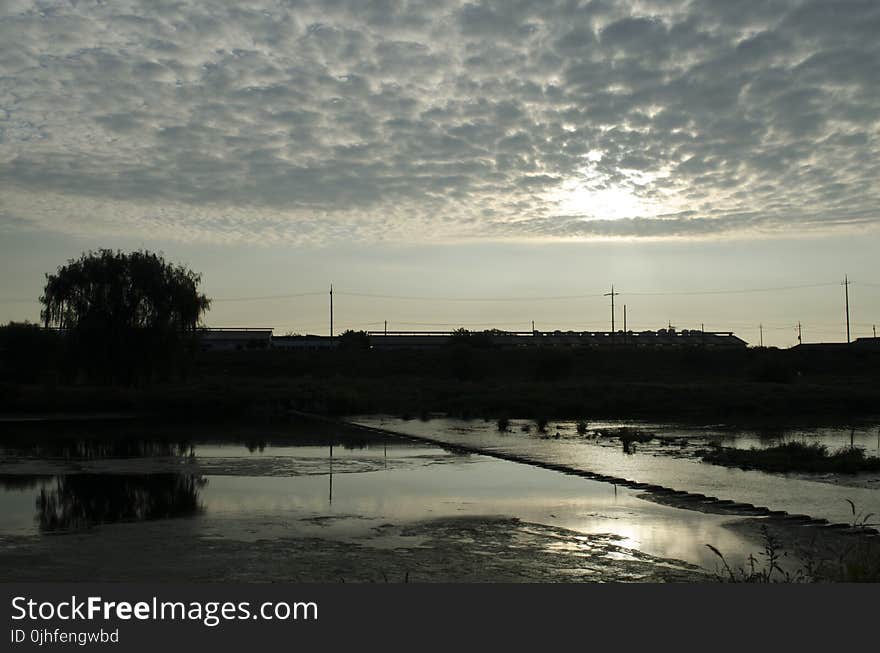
458, 324
466, 299
249, 298
258, 298
732, 292
660, 293
582, 296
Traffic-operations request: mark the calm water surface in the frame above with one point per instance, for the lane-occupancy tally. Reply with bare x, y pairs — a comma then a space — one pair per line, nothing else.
263, 488
794, 493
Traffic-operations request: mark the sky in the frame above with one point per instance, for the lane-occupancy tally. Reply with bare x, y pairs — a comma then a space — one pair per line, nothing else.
447, 163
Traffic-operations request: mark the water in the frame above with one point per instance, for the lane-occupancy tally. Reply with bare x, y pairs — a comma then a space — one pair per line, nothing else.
362, 490
793, 493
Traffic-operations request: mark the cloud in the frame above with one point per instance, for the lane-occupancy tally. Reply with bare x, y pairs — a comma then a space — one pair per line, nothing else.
308, 121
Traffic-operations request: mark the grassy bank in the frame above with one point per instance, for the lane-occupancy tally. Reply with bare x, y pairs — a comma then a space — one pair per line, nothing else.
824, 558
682, 385
795, 457
223, 397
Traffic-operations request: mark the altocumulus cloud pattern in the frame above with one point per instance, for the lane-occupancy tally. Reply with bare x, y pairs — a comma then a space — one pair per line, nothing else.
305, 122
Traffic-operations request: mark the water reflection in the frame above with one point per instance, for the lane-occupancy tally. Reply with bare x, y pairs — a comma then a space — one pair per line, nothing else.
22, 482
78, 501
105, 448
97, 449
792, 493
329, 485
356, 496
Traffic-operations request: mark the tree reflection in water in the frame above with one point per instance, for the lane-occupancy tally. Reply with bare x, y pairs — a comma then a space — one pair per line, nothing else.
22, 482
97, 449
82, 500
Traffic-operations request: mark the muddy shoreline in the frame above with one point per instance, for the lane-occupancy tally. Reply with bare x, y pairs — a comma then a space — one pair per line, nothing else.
469, 550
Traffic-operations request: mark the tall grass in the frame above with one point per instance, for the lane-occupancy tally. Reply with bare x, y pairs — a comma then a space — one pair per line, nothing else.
795, 457
840, 562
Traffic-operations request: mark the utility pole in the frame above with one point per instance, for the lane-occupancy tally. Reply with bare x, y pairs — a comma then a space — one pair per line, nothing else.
331, 310
761, 329
612, 294
386, 327
625, 334
800, 339
874, 326
533, 327
846, 290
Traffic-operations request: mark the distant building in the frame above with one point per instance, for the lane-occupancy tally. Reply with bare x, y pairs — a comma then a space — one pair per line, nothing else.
661, 338
243, 339
234, 339
307, 342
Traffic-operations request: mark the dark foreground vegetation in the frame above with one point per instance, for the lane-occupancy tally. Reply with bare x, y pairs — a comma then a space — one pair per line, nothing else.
38, 374
827, 559
795, 457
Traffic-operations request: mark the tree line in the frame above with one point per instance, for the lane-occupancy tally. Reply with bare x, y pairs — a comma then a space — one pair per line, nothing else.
110, 317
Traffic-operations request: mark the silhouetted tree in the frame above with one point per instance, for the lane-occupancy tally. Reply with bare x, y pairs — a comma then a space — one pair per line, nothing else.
481, 339
27, 352
127, 315
351, 339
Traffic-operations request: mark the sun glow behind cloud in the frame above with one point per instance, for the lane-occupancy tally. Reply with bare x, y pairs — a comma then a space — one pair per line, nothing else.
311, 122
634, 194
611, 203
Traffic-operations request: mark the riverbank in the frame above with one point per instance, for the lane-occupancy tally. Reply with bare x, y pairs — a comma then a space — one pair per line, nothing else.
221, 398
453, 550
688, 385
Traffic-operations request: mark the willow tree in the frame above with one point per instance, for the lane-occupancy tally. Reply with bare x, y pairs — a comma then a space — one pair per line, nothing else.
126, 315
